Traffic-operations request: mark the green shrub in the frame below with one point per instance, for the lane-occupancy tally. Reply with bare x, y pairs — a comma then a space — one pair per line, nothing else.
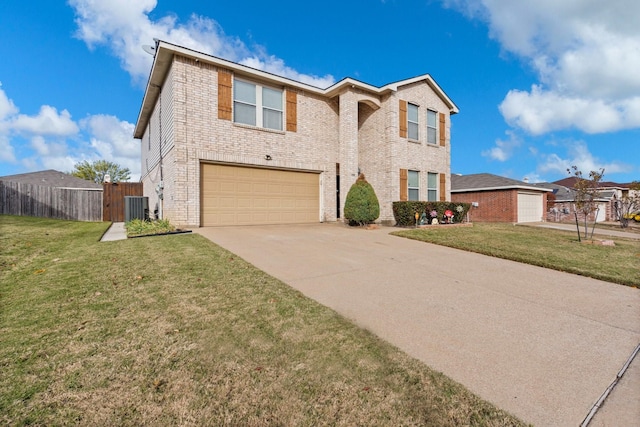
404, 212
361, 206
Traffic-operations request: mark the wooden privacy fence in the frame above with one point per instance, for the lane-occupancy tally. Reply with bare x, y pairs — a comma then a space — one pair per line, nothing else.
113, 200
80, 204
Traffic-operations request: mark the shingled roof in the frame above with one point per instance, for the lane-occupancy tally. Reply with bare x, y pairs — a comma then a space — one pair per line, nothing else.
51, 178
487, 182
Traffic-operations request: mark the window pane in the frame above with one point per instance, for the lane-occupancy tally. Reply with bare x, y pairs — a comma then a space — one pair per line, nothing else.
431, 118
243, 113
413, 130
432, 180
272, 98
272, 119
413, 178
245, 92
431, 136
412, 112
413, 194
432, 195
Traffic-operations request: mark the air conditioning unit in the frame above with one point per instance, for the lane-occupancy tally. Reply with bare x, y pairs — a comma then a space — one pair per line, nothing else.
136, 207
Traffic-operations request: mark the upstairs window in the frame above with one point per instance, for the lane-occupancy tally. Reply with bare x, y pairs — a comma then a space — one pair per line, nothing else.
412, 121
432, 127
413, 185
257, 105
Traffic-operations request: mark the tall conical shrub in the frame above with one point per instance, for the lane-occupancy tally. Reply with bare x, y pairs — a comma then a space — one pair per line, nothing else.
361, 206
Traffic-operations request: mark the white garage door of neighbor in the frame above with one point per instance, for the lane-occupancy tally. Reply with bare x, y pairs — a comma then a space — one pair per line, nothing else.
238, 195
529, 207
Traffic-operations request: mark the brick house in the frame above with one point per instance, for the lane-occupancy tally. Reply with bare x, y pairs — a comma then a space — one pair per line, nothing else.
226, 144
609, 195
498, 199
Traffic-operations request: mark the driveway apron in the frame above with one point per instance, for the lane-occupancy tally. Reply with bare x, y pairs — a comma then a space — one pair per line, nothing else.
541, 344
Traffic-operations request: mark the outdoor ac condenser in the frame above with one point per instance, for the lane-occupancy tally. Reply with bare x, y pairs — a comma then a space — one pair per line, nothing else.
136, 207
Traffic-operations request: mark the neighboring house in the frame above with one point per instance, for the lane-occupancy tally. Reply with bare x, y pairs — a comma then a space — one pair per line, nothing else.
226, 144
609, 194
495, 198
51, 194
52, 178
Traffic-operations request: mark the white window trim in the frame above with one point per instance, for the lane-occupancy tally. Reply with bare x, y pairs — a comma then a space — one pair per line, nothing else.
432, 189
409, 187
409, 105
434, 127
259, 106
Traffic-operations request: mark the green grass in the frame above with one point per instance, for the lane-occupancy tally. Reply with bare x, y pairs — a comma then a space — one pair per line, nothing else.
175, 330
558, 250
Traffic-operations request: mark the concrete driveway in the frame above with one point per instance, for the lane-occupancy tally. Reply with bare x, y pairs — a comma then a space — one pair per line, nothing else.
541, 344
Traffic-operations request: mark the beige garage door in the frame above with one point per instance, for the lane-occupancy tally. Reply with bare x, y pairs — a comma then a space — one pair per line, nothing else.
236, 195
529, 207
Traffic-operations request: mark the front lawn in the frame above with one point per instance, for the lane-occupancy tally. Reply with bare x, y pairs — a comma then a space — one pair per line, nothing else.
554, 249
174, 330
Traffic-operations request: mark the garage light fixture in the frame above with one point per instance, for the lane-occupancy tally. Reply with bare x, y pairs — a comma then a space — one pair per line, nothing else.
267, 157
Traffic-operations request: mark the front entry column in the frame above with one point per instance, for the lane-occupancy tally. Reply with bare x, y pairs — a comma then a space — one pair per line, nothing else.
348, 143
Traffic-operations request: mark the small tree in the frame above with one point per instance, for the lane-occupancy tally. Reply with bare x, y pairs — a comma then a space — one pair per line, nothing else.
586, 192
361, 205
97, 170
628, 204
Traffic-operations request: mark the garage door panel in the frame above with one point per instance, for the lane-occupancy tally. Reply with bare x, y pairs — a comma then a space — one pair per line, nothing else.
235, 195
529, 207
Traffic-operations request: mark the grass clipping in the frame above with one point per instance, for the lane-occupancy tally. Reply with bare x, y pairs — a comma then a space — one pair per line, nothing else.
181, 332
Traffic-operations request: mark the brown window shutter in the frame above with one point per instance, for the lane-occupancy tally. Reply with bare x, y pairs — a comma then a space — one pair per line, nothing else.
292, 111
443, 187
225, 95
403, 119
404, 189
442, 129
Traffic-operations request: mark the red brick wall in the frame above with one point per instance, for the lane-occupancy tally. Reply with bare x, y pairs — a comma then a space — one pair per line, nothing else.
493, 206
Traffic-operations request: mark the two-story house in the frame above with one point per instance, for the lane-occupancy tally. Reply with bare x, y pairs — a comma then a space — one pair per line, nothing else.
226, 144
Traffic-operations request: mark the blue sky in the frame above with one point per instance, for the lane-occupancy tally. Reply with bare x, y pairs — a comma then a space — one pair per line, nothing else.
540, 85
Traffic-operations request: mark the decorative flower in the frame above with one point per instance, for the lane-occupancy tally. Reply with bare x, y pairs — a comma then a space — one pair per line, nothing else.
433, 213
459, 208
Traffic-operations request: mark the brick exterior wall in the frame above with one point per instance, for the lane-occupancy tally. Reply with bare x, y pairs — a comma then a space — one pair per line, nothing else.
493, 206
358, 130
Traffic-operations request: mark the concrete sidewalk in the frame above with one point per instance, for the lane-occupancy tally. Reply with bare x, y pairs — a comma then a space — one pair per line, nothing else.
115, 232
541, 344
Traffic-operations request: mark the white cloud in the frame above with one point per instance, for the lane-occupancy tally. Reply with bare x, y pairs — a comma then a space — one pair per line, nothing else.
125, 26
7, 153
503, 149
578, 154
112, 140
52, 140
586, 54
7, 108
46, 122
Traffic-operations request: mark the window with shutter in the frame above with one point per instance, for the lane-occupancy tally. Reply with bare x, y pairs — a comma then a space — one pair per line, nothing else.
224, 95
292, 111
403, 185
403, 119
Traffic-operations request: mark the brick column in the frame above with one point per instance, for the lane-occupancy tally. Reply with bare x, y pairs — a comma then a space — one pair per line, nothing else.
348, 144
